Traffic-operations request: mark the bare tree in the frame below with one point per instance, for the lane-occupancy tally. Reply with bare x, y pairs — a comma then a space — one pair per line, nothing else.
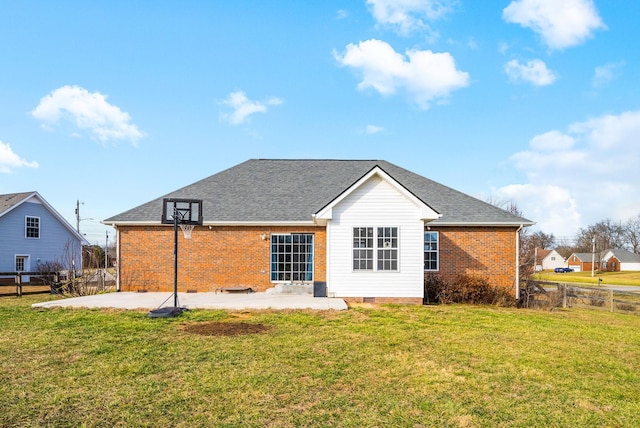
632, 233
606, 233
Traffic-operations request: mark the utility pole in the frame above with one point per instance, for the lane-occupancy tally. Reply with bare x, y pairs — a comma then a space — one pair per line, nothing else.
593, 254
106, 249
78, 216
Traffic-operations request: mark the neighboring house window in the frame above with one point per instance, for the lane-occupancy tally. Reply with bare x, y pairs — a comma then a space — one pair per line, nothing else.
387, 248
20, 263
431, 250
32, 226
553, 258
379, 245
292, 257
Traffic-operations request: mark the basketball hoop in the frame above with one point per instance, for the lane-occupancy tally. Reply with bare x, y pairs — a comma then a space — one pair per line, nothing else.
187, 229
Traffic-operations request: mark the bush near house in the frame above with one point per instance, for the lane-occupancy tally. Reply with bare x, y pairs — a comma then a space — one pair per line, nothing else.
466, 289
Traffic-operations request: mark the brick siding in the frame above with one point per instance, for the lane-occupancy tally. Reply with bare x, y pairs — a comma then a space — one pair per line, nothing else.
211, 259
487, 252
240, 257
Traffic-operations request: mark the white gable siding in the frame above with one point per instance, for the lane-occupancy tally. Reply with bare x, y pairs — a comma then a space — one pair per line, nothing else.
375, 204
553, 260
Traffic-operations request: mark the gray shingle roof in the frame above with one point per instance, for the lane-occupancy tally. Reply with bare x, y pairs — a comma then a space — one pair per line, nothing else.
10, 200
272, 190
625, 256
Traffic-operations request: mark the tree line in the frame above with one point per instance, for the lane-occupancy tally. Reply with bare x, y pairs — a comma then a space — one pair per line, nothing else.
597, 238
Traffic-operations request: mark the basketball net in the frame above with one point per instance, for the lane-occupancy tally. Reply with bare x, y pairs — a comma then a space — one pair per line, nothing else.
187, 229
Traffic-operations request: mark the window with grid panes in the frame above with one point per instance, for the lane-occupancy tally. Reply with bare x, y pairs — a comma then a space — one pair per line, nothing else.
32, 227
431, 252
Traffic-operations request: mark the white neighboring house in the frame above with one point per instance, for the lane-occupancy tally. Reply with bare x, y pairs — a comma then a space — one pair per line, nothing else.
548, 260
617, 259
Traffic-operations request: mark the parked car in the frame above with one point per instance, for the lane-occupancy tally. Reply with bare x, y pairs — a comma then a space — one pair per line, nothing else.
562, 270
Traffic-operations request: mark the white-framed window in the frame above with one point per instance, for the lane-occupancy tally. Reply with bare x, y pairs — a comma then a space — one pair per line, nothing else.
363, 248
431, 250
21, 263
292, 257
32, 227
375, 247
387, 248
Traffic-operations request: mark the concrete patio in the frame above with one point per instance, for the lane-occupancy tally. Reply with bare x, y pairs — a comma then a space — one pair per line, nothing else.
232, 301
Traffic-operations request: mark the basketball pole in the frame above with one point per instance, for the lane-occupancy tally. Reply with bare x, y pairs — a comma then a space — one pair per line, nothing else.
175, 256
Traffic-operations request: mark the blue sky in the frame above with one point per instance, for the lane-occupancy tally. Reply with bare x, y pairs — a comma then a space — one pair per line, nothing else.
115, 103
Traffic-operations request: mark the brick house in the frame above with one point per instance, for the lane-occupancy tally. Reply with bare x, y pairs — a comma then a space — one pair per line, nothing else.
620, 260
367, 229
582, 262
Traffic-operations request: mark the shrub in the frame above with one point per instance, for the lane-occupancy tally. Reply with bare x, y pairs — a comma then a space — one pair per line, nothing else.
466, 289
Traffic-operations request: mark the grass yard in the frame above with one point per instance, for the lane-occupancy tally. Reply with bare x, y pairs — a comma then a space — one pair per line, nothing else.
414, 366
614, 278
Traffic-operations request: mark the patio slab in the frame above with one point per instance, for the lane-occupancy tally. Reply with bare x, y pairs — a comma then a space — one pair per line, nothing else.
133, 300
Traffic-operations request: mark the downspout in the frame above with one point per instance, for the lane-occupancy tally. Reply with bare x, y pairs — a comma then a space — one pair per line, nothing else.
117, 257
518, 261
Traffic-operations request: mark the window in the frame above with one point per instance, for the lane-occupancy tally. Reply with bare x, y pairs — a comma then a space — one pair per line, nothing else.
387, 248
292, 257
20, 263
32, 227
431, 250
363, 248
381, 242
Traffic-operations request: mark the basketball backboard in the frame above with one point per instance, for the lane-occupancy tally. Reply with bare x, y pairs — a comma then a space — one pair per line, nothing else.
187, 211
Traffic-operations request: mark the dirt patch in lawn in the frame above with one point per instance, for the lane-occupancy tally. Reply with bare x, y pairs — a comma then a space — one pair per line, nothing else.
217, 328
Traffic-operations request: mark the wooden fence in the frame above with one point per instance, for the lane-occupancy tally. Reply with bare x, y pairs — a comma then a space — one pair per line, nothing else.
43, 280
552, 294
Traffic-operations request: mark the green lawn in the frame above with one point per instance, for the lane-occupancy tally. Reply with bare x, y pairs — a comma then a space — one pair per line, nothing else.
615, 278
414, 366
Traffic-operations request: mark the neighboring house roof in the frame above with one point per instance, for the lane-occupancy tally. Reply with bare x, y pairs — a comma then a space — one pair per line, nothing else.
583, 257
275, 191
543, 253
11, 201
624, 256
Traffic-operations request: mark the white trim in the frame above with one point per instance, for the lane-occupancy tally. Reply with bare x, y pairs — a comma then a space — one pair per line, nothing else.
26, 227
217, 223
481, 223
426, 212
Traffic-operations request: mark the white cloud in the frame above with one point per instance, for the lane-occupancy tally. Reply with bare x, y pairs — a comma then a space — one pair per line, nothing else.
581, 176
604, 74
243, 107
560, 23
534, 71
9, 160
424, 75
342, 14
87, 111
407, 16
372, 129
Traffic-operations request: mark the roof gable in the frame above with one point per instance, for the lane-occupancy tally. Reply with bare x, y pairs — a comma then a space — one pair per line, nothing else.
426, 212
281, 191
11, 201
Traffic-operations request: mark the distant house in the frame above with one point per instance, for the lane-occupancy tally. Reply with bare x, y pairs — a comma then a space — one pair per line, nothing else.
548, 259
582, 262
32, 232
616, 260
367, 230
